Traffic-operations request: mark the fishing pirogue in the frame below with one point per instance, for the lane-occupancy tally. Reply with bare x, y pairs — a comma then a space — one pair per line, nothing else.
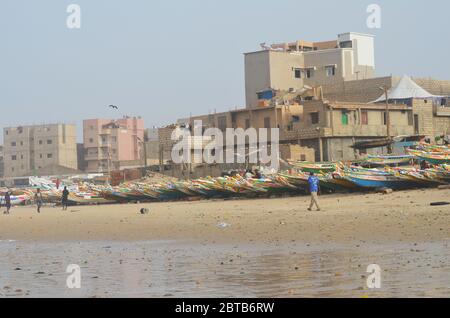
334, 177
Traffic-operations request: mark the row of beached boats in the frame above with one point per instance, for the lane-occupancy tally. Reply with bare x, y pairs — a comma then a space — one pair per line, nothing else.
334, 177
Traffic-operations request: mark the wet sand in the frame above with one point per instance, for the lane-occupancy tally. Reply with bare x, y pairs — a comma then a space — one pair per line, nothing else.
354, 218
177, 269
232, 248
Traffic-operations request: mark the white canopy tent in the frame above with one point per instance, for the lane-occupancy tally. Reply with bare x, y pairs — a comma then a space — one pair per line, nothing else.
406, 89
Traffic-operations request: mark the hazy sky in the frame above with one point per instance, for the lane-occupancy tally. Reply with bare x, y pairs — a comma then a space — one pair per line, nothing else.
166, 59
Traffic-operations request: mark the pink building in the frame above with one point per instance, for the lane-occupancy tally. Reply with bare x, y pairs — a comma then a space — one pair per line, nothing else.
110, 144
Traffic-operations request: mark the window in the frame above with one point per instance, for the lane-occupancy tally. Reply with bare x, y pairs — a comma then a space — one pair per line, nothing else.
49, 156
314, 118
91, 140
295, 119
247, 123
49, 142
302, 157
344, 118
410, 118
21, 143
364, 117
13, 157
309, 73
222, 123
7, 132
330, 70
416, 124
40, 142
266, 122
21, 156
346, 44
13, 144
298, 73
384, 118
40, 156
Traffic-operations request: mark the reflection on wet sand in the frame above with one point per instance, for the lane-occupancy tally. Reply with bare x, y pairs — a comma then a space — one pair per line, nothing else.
174, 269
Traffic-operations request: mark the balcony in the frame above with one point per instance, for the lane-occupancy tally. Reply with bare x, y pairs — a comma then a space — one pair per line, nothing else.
96, 157
442, 111
105, 131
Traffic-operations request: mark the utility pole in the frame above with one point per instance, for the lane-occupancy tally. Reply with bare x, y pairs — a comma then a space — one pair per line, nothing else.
144, 149
388, 120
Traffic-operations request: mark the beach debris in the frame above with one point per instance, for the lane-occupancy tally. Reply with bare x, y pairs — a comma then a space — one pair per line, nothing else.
223, 225
385, 191
144, 211
439, 203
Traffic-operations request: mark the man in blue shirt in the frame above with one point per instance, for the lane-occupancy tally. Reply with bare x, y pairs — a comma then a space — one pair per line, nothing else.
313, 183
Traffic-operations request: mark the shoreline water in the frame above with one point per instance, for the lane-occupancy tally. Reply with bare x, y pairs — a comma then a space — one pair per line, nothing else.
180, 269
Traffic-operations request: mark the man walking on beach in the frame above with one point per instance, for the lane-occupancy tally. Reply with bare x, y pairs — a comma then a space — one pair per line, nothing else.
313, 183
38, 200
65, 198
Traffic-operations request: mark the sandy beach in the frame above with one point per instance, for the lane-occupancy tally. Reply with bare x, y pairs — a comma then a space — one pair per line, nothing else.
232, 248
401, 216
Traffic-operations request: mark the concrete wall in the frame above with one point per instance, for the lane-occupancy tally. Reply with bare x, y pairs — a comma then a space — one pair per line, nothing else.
257, 75
364, 91
295, 152
359, 91
431, 121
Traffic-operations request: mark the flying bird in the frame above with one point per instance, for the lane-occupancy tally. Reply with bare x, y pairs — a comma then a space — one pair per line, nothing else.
114, 106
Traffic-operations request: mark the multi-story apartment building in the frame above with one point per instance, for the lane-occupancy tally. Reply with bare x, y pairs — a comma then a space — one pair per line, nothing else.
28, 150
2, 163
292, 66
328, 128
110, 144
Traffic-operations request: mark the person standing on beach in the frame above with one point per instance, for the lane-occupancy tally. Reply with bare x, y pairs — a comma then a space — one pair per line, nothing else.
313, 183
38, 200
8, 201
65, 198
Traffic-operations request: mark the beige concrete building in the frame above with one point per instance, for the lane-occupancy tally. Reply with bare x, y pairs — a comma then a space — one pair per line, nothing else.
431, 119
332, 128
291, 66
31, 150
113, 144
2, 163
328, 128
